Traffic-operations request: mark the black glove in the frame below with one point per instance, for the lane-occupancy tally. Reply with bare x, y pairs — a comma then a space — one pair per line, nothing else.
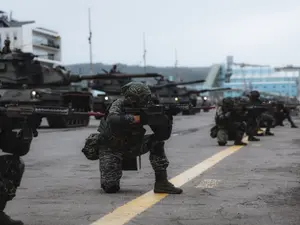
228, 114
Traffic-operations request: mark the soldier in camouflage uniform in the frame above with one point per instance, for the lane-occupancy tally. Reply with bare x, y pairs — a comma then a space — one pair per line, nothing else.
123, 136
229, 123
6, 49
11, 169
265, 116
282, 113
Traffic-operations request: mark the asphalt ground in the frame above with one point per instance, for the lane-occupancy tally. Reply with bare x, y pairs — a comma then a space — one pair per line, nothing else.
255, 184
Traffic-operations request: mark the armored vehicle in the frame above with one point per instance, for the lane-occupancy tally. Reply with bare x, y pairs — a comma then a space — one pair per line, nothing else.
202, 102
112, 88
168, 92
25, 80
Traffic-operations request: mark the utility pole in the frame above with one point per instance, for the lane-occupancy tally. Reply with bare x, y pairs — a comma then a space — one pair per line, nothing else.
145, 51
90, 43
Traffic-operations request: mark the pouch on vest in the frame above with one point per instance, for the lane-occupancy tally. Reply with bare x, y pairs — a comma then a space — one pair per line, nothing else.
214, 132
129, 164
91, 147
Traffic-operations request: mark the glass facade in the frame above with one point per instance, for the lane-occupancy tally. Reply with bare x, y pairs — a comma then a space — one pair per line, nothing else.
265, 79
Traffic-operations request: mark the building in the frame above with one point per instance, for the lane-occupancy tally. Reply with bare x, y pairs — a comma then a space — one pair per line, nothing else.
279, 81
44, 43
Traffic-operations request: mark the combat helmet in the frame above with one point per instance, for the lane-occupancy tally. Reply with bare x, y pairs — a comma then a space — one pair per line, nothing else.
244, 100
136, 93
228, 102
254, 94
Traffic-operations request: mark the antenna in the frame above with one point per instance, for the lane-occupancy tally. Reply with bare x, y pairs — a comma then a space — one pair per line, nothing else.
145, 51
90, 43
176, 64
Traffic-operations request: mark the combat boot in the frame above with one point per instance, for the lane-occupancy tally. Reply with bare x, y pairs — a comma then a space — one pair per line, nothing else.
294, 126
162, 185
6, 220
221, 143
240, 143
252, 138
269, 133
111, 189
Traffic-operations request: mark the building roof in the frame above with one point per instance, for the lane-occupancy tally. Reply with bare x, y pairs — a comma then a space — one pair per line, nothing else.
6, 21
260, 82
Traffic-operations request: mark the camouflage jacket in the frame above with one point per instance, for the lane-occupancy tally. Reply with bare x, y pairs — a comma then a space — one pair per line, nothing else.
118, 129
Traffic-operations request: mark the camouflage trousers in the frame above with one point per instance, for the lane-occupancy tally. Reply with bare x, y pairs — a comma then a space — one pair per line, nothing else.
280, 117
252, 126
267, 120
233, 133
11, 173
110, 160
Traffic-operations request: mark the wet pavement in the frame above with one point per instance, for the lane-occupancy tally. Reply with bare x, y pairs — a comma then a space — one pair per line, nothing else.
256, 184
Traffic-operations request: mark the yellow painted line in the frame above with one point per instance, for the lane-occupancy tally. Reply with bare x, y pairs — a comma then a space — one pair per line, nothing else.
125, 213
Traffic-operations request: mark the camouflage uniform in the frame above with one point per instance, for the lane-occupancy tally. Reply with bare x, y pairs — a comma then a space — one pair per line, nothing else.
283, 113
6, 49
230, 125
11, 170
266, 117
121, 139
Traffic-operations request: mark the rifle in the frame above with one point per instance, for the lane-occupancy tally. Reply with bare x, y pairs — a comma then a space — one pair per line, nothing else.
153, 113
28, 115
252, 110
291, 105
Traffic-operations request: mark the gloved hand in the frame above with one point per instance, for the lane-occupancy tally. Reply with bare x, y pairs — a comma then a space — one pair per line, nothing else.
25, 134
228, 114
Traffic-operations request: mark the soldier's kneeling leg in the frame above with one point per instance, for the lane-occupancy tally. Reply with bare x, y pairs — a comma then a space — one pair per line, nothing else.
11, 170
269, 120
222, 137
159, 163
240, 128
110, 164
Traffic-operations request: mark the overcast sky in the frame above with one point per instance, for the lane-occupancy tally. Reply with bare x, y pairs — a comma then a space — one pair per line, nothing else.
202, 31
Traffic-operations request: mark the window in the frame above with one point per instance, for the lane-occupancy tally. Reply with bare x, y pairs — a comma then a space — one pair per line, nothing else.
2, 67
50, 56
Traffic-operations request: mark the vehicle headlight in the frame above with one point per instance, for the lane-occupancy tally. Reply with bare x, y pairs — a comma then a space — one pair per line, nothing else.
106, 98
176, 99
205, 98
34, 94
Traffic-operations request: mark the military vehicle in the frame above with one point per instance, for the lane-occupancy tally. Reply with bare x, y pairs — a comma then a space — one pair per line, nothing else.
112, 88
199, 103
23, 79
167, 92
